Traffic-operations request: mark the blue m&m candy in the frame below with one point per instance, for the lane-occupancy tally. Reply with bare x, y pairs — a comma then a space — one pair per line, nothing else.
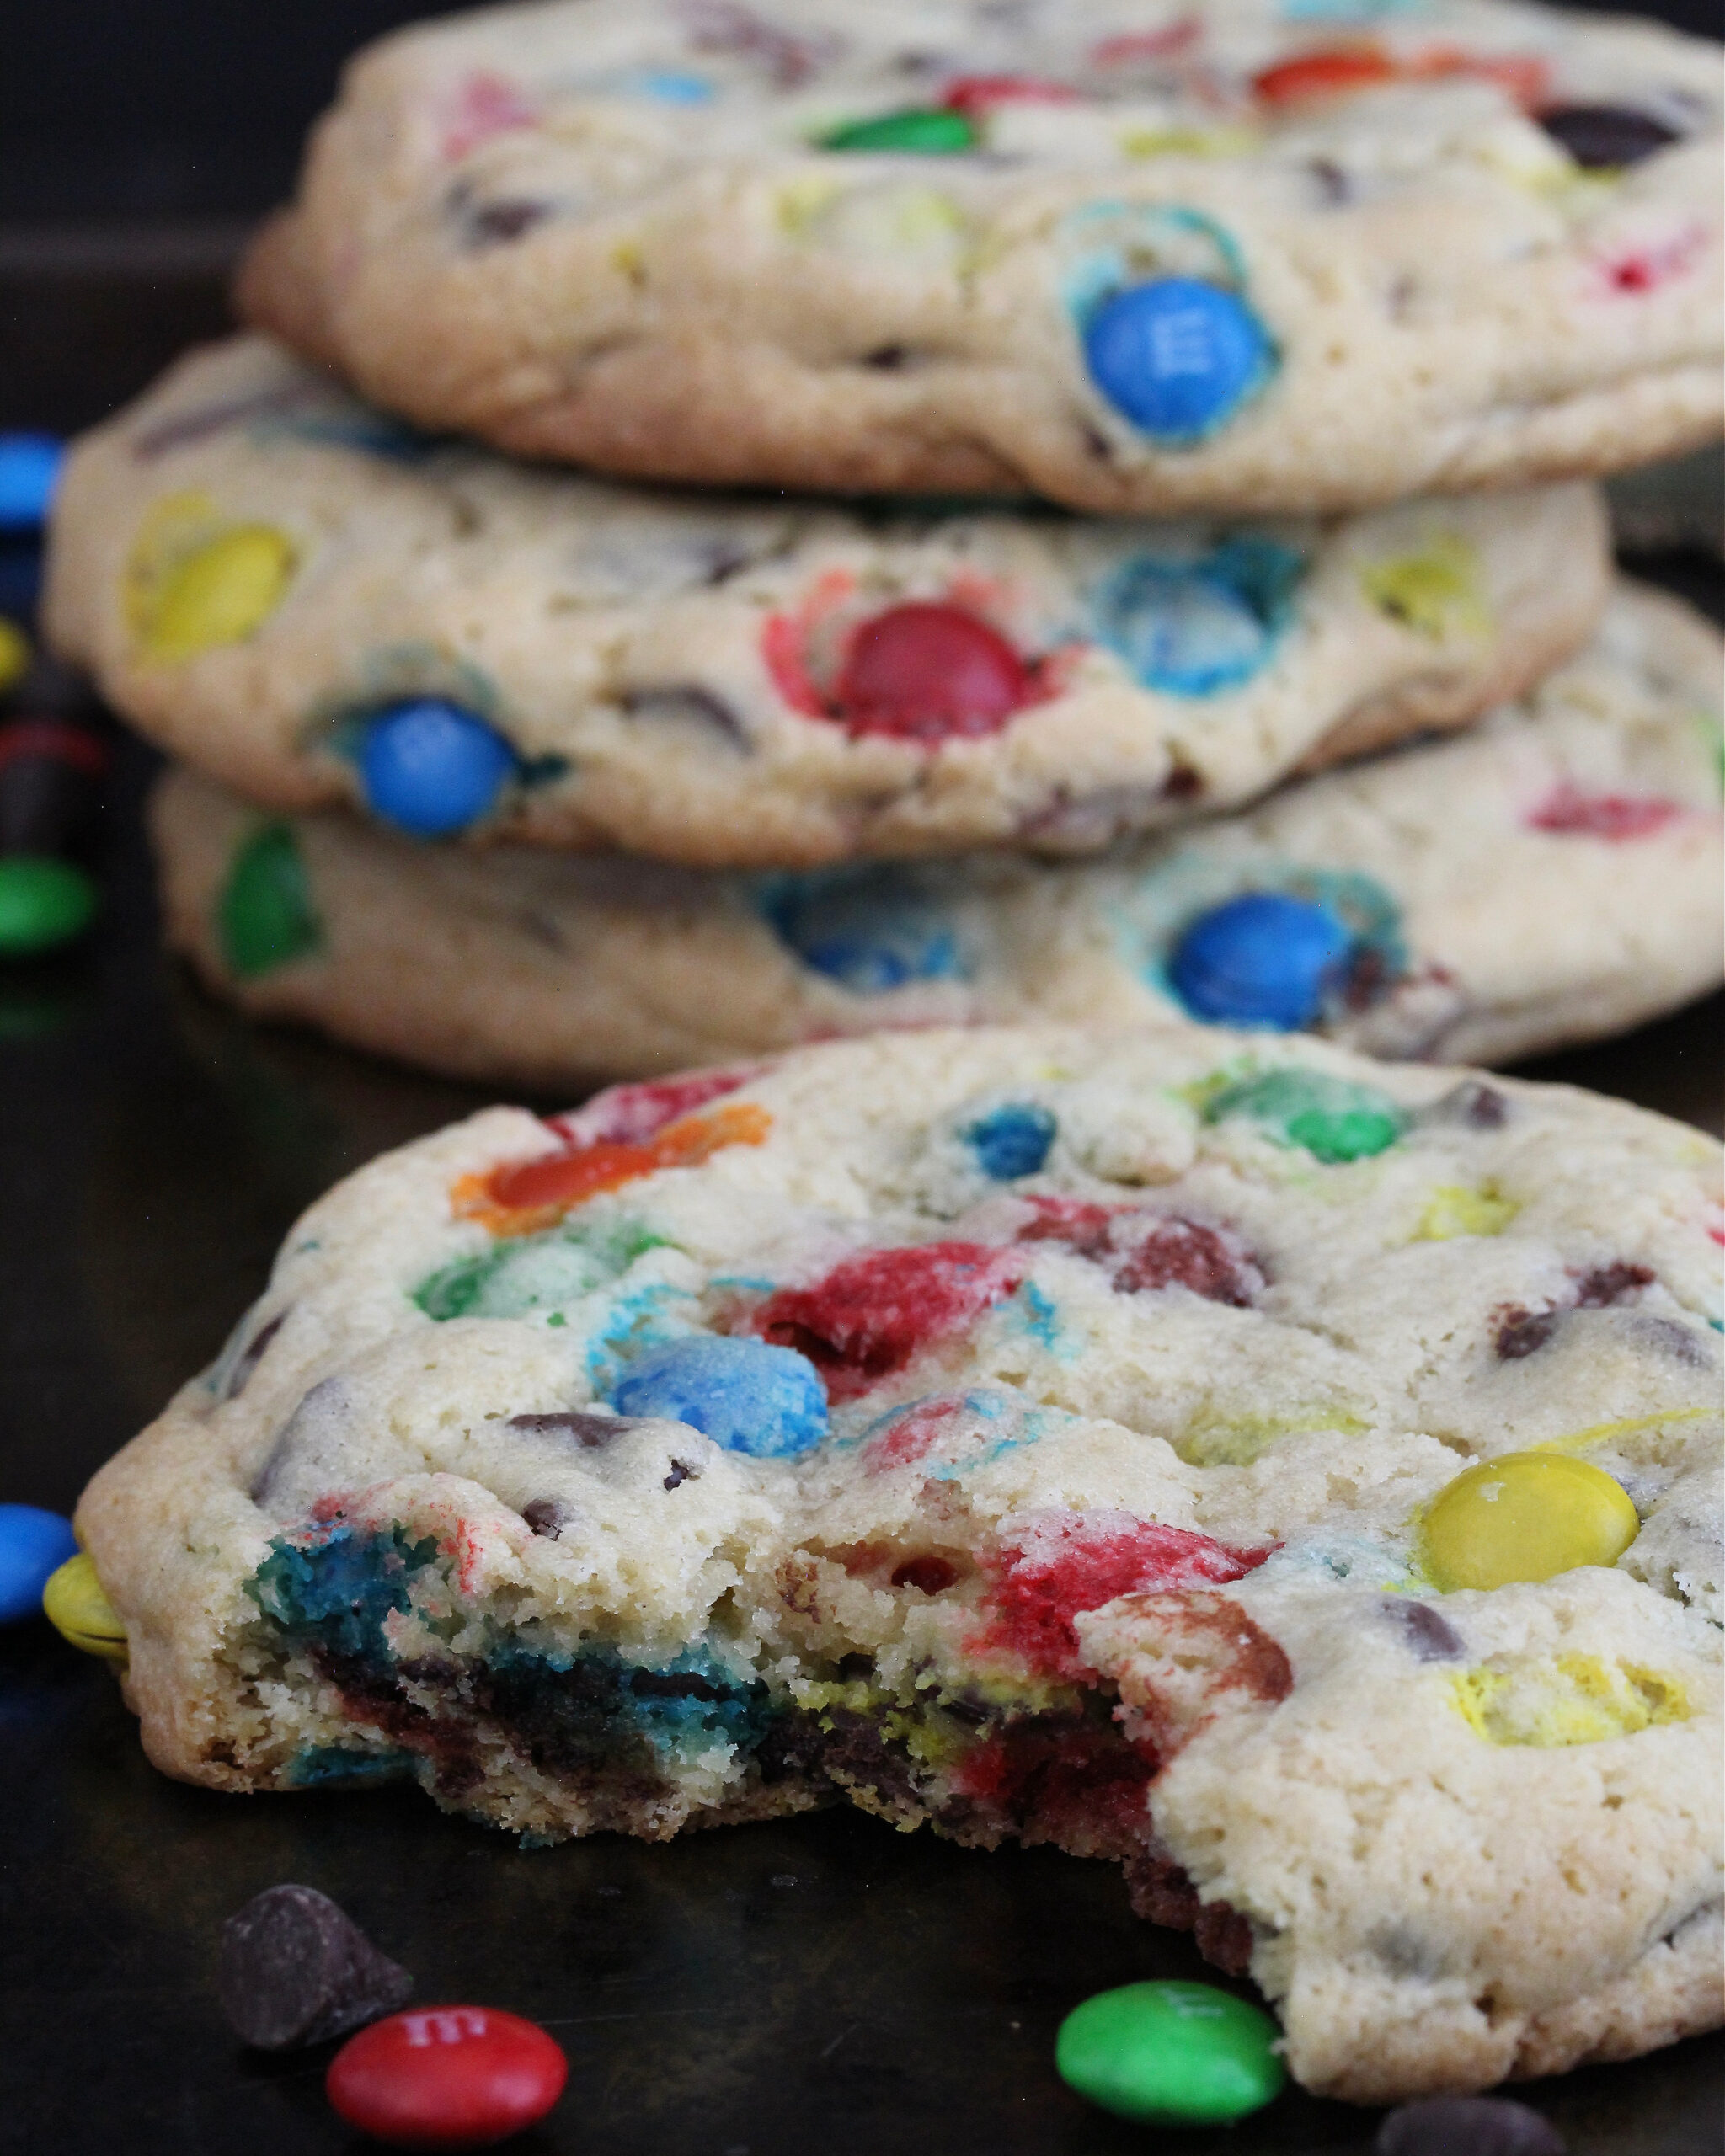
1012, 1141
1262, 959
1177, 357
745, 1394
430, 768
34, 1544
30, 466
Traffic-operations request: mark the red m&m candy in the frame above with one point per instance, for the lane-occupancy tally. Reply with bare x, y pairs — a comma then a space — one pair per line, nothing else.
446, 2077
927, 671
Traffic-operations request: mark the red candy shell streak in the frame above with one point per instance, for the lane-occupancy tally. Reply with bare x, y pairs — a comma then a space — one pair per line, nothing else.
1039, 1589
925, 672
870, 1314
446, 2077
1614, 816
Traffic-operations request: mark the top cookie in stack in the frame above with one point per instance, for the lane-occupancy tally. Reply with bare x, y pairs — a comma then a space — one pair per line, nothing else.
1235, 257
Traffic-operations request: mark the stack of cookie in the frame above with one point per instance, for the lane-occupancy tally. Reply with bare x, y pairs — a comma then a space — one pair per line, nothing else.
546, 779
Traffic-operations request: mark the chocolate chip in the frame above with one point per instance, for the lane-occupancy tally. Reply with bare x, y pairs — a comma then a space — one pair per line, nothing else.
591, 1432
1676, 1340
1520, 1331
932, 1575
294, 1969
1333, 185
1481, 1107
681, 1472
887, 359
1467, 2126
686, 702
1428, 1636
1606, 1285
547, 1515
254, 1351
1606, 136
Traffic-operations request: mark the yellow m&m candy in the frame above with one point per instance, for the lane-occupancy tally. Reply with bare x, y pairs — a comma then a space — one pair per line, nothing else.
75, 1605
221, 593
1524, 1516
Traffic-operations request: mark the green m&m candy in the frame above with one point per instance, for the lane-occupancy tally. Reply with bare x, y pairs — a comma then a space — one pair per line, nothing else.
1170, 2054
1332, 1119
43, 903
264, 916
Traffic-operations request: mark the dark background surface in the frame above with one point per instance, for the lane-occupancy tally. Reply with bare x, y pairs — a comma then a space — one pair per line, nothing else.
820, 1985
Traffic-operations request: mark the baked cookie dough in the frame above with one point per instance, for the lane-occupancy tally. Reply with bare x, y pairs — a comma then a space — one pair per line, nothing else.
314, 606
1233, 256
1292, 1477
1551, 876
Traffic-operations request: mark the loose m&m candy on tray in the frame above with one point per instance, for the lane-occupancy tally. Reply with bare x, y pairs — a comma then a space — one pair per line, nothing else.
446, 2077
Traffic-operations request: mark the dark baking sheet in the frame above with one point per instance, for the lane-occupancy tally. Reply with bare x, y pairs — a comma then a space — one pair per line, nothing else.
818, 1984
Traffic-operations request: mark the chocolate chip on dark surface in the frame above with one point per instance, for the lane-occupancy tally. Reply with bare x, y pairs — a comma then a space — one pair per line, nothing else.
1604, 136
1467, 2126
254, 1351
294, 1969
591, 1432
547, 1515
1520, 1332
681, 1472
1606, 1285
1224, 1937
1429, 1636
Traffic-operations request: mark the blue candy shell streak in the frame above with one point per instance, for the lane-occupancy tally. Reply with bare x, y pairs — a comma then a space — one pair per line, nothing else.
1012, 1141
1262, 959
1191, 628
32, 1544
872, 932
1177, 357
431, 768
745, 1396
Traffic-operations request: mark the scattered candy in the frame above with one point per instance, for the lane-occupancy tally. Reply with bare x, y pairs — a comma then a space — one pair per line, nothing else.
33, 1543
77, 1606
1012, 1141
1524, 1516
1334, 1119
30, 467
220, 593
14, 653
1191, 628
745, 1396
1262, 959
1605, 137
926, 130
929, 672
294, 1969
1170, 2054
51, 774
43, 903
1177, 357
1467, 2126
430, 768
446, 2077
264, 916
